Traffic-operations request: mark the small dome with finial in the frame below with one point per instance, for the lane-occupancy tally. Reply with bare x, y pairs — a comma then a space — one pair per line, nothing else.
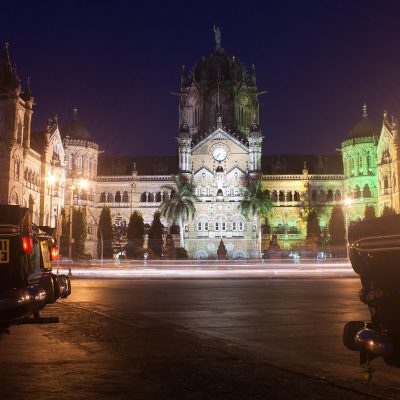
74, 129
366, 127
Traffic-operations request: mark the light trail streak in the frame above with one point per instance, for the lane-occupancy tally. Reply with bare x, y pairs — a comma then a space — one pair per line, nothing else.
260, 270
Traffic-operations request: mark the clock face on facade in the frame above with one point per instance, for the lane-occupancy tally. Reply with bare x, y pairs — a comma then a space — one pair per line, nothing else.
219, 154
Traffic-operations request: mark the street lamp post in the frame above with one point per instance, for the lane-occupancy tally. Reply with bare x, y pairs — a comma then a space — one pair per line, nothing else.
82, 185
51, 179
347, 202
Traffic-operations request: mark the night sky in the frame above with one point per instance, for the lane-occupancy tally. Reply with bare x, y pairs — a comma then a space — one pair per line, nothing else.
118, 61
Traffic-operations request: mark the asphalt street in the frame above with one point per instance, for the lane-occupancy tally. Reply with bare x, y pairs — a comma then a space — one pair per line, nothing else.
195, 339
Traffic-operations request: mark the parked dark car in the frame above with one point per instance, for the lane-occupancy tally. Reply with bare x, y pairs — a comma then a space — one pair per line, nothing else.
374, 250
26, 281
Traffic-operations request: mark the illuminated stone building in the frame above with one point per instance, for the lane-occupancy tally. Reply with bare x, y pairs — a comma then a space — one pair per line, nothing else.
219, 145
28, 160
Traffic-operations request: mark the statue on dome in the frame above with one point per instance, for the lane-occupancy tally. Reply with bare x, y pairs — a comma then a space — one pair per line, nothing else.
217, 37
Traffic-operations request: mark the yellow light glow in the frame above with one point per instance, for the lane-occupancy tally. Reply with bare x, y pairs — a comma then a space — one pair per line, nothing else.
51, 179
83, 183
348, 201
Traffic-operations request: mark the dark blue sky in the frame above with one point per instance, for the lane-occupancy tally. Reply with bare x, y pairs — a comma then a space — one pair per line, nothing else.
118, 60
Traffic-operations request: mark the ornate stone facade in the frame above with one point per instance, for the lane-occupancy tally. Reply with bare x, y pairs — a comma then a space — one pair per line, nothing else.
219, 149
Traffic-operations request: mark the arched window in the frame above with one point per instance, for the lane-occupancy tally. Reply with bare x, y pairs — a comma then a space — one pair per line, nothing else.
322, 195
338, 196
110, 198
165, 196
80, 163
314, 195
16, 170
274, 195
118, 197
125, 198
281, 196
357, 192
329, 196
385, 182
289, 196
143, 197
151, 198
158, 197
366, 191
296, 196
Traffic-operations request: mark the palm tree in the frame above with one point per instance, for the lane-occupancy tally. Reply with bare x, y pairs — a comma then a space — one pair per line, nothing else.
256, 203
180, 207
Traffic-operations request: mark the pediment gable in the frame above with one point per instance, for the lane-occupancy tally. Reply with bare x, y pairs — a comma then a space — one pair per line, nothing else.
385, 141
220, 135
235, 170
203, 170
57, 146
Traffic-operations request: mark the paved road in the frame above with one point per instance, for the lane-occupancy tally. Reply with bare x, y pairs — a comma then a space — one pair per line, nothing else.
195, 339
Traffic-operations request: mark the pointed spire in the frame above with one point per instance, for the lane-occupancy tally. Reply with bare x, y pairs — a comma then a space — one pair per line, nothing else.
218, 99
5, 59
55, 119
75, 113
385, 115
27, 95
365, 110
183, 76
253, 75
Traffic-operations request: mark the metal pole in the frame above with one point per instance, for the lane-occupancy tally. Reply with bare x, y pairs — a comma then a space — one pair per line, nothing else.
101, 234
51, 204
71, 213
347, 234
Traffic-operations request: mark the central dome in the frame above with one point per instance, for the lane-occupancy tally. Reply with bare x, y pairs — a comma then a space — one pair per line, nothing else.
219, 66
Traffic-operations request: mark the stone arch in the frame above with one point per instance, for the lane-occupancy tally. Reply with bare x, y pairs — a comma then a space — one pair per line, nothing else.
14, 198
296, 196
158, 197
274, 195
143, 197
125, 197
289, 195
338, 195
239, 254
281, 195
118, 197
329, 195
103, 197
110, 198
201, 254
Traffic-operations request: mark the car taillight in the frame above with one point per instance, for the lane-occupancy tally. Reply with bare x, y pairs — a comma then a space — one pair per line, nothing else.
54, 253
27, 244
